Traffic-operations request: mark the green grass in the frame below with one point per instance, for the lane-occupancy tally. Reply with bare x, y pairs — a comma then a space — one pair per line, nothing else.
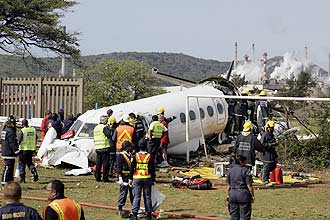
293, 203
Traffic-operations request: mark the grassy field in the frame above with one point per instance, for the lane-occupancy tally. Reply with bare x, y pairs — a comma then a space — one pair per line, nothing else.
290, 203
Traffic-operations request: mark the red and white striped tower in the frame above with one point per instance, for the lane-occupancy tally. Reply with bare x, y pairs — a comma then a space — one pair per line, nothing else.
264, 77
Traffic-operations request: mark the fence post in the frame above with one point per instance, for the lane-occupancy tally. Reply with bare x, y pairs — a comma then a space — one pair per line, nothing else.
80, 94
40, 98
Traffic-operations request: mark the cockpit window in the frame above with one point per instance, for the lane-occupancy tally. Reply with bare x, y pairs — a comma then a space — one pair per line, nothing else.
87, 130
77, 124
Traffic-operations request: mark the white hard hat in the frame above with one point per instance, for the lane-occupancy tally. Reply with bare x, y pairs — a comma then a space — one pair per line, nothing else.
125, 118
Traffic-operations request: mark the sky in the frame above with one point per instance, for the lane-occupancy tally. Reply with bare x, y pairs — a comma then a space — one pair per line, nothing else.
205, 29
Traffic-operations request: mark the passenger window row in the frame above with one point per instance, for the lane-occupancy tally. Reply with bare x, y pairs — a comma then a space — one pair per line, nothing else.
209, 109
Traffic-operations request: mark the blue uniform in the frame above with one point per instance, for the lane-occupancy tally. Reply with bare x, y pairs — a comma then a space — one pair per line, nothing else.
238, 179
123, 170
18, 211
269, 156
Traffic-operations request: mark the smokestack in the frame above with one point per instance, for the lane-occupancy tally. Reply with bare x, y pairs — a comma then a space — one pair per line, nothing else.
252, 53
63, 58
306, 53
329, 67
264, 77
235, 56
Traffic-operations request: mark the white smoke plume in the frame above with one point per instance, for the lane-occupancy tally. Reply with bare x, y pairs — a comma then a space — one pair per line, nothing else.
291, 65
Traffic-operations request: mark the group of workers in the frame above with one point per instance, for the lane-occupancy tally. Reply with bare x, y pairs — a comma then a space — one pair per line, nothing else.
240, 110
135, 152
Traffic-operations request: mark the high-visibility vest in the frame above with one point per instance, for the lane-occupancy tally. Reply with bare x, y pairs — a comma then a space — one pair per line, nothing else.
100, 140
157, 131
29, 139
142, 166
128, 162
66, 209
124, 133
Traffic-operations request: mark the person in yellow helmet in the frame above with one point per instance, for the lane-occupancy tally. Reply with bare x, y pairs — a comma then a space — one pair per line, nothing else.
269, 155
246, 144
161, 112
263, 111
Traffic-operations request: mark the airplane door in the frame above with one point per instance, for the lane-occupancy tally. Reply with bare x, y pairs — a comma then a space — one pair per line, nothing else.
220, 110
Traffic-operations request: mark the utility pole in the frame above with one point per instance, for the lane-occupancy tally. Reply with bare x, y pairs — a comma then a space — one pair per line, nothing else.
63, 56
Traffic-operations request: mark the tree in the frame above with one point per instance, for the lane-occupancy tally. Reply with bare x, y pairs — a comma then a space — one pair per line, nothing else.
26, 24
112, 82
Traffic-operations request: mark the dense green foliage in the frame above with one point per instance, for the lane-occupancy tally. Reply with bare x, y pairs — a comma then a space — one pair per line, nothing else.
35, 24
113, 82
178, 65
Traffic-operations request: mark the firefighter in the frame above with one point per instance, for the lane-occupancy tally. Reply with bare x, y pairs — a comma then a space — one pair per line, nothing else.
155, 133
10, 149
161, 111
124, 132
142, 177
265, 109
246, 144
139, 130
61, 207
112, 124
123, 170
240, 113
102, 147
27, 140
269, 156
240, 190
13, 209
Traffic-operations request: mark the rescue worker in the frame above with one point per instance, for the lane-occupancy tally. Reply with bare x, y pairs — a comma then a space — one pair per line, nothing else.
139, 130
110, 113
161, 111
123, 170
269, 156
246, 144
10, 149
112, 160
60, 114
264, 108
61, 207
56, 124
124, 132
13, 209
240, 190
67, 123
102, 147
132, 118
240, 113
142, 177
44, 121
164, 142
27, 140
155, 133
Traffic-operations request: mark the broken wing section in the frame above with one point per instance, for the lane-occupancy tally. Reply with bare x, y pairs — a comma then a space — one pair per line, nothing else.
54, 151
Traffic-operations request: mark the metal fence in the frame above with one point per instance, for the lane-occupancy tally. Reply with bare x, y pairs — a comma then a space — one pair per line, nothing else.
31, 97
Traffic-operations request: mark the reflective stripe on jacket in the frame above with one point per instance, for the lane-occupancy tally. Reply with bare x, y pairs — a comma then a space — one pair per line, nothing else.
124, 133
66, 209
142, 166
157, 131
29, 139
100, 140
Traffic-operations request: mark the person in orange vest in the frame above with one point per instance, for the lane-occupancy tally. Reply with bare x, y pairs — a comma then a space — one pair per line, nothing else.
123, 170
124, 132
142, 177
61, 207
